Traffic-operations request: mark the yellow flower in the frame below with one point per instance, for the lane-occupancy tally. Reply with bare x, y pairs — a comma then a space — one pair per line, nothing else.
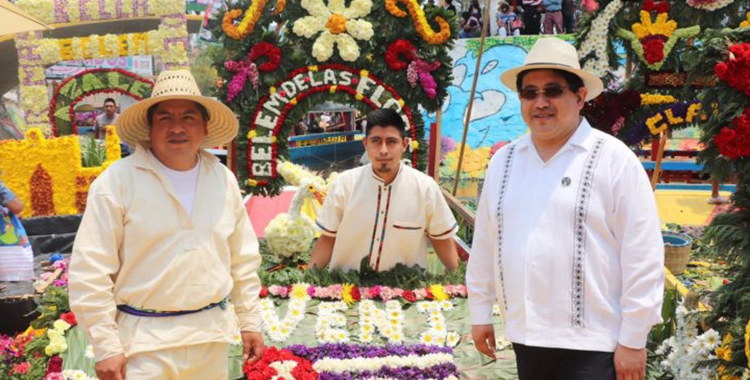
293, 101
746, 24
438, 292
299, 291
364, 73
747, 329
252, 182
251, 135
273, 139
415, 145
346, 294
655, 99
401, 102
272, 90
313, 68
358, 96
333, 88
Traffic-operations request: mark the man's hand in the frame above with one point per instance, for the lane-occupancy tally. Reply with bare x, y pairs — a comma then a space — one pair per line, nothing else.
484, 339
112, 368
252, 346
630, 364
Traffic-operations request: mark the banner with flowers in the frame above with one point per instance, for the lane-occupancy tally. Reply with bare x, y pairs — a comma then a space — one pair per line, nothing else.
368, 53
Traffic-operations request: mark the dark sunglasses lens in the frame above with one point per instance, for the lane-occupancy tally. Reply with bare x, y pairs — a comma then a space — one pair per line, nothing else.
529, 93
553, 92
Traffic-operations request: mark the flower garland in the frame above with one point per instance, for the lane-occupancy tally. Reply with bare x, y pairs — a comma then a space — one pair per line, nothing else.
378, 293
669, 79
340, 25
330, 320
77, 87
247, 25
279, 364
247, 69
437, 333
709, 5
420, 21
280, 330
390, 322
595, 41
678, 114
262, 148
73, 11
653, 41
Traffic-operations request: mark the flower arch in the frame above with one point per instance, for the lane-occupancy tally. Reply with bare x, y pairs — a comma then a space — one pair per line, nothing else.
372, 53
75, 88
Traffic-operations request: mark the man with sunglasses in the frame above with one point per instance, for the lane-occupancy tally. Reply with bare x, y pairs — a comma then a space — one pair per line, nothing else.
567, 238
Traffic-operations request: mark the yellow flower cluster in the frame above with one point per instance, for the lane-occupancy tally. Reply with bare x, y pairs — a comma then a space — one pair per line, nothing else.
60, 158
346, 294
747, 343
656, 99
94, 47
746, 23
724, 352
420, 21
439, 293
663, 26
57, 343
663, 120
247, 25
99, 10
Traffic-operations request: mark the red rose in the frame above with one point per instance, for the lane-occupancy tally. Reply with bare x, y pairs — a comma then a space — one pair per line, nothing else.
70, 318
263, 292
409, 296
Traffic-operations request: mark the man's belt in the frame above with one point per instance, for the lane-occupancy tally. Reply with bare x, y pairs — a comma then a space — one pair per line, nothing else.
157, 313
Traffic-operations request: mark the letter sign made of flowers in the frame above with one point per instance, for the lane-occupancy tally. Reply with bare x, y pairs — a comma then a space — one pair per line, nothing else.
369, 53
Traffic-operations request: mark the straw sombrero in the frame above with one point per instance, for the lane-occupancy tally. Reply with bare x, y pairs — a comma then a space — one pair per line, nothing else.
554, 53
132, 124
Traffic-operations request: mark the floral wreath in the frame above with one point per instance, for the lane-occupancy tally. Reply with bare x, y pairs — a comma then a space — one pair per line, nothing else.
89, 82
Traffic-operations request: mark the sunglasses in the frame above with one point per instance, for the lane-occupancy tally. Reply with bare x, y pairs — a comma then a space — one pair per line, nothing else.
552, 92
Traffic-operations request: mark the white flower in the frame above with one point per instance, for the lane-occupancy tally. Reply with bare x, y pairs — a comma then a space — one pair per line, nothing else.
452, 339
339, 25
89, 351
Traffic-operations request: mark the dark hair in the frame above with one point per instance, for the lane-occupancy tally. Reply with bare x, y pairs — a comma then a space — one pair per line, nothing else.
152, 110
110, 100
574, 81
465, 15
385, 117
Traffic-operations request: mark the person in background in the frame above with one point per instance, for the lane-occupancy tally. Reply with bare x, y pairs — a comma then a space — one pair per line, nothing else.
553, 16
475, 10
508, 22
16, 256
532, 15
109, 117
568, 12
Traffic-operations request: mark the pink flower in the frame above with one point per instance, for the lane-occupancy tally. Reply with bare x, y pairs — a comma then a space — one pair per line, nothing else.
21, 368
54, 376
365, 292
386, 294
279, 291
420, 293
375, 291
311, 291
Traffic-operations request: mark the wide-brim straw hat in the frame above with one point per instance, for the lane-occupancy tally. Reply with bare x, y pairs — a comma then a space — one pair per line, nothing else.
132, 124
554, 53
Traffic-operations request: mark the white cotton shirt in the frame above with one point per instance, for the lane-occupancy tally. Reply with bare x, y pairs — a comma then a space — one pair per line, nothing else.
390, 224
184, 183
574, 256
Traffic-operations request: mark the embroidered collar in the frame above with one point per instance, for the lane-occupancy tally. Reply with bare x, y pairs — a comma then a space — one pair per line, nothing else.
380, 181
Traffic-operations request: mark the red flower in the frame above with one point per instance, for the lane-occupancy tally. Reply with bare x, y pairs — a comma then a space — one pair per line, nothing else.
396, 50
430, 296
54, 365
721, 69
736, 71
268, 51
653, 49
662, 7
263, 292
409, 296
70, 318
649, 5
725, 282
262, 370
355, 294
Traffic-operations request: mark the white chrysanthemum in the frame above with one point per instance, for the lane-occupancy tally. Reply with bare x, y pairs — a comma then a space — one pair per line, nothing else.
452, 339
427, 338
89, 352
340, 25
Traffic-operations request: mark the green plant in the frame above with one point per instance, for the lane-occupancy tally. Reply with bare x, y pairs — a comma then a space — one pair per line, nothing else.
93, 153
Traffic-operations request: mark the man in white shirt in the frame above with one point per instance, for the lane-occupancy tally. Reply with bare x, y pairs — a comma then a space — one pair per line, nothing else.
109, 117
567, 238
165, 246
384, 211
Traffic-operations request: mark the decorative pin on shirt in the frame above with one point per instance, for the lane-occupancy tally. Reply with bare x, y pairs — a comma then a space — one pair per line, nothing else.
565, 181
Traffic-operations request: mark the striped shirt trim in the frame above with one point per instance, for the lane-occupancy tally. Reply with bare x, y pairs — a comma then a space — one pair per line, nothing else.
385, 226
455, 225
323, 228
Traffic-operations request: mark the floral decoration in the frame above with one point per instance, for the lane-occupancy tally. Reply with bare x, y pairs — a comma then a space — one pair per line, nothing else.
735, 142
709, 5
279, 364
390, 323
420, 21
378, 293
656, 99
745, 23
340, 25
247, 25
594, 47
247, 68
437, 334
736, 71
280, 330
328, 327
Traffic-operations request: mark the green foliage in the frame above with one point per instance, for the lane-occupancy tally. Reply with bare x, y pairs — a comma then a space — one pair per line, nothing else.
53, 303
93, 153
400, 276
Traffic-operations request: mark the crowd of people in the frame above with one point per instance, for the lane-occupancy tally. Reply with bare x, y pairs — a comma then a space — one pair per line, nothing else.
520, 17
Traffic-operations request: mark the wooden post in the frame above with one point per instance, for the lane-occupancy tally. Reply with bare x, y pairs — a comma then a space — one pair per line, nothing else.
659, 157
438, 132
477, 72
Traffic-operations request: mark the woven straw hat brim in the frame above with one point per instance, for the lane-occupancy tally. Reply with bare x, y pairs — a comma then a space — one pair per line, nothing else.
132, 124
592, 82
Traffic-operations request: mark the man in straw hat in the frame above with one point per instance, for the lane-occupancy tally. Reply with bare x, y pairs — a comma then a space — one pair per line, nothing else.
567, 236
163, 272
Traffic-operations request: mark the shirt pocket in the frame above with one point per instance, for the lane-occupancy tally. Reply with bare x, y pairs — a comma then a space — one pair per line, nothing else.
407, 227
